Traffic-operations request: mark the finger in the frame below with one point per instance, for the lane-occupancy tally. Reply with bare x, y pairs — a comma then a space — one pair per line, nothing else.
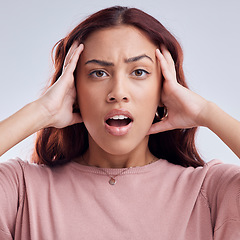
74, 59
165, 69
167, 65
161, 59
69, 54
167, 55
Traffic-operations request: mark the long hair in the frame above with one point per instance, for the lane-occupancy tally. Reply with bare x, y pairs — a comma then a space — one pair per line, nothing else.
57, 146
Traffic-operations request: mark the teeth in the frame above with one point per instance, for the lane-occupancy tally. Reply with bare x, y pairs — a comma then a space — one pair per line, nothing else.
119, 117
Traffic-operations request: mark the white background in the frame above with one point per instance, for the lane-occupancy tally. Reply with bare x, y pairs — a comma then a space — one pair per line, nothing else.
208, 31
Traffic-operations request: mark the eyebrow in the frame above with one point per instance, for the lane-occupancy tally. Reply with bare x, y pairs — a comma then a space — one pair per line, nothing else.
106, 63
137, 58
100, 62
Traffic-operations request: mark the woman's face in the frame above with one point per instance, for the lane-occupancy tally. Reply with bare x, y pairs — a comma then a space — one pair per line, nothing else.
118, 88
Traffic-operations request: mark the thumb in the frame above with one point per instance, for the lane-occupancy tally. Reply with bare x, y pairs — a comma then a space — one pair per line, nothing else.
162, 126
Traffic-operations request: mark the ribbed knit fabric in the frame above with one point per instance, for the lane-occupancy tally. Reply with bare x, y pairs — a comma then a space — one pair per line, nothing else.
156, 201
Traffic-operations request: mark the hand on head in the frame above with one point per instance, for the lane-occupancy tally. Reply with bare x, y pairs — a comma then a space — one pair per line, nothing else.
59, 99
184, 106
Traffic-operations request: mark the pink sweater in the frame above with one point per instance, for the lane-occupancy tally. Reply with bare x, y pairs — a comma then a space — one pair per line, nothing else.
156, 201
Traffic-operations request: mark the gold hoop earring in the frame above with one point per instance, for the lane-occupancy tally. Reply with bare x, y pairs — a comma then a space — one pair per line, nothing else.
165, 113
161, 113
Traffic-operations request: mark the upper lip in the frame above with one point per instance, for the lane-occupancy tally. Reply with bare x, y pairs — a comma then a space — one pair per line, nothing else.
115, 112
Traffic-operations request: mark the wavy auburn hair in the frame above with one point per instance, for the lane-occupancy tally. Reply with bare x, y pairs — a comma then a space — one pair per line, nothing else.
57, 146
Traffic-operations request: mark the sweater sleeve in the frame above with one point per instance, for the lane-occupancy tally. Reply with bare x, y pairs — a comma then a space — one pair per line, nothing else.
222, 188
11, 195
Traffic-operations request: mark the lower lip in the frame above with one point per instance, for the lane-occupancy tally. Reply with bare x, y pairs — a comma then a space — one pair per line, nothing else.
118, 131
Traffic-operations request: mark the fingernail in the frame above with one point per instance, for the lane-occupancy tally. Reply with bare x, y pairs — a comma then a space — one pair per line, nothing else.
158, 51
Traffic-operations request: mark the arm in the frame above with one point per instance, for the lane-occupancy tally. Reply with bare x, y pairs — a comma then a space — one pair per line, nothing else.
53, 109
223, 125
187, 109
21, 125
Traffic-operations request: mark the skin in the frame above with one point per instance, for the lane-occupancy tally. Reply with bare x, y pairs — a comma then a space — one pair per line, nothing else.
133, 83
185, 109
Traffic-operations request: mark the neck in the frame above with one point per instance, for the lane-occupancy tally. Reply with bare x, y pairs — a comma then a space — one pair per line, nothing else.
95, 156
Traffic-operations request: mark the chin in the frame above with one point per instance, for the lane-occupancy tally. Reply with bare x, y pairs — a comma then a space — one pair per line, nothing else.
123, 146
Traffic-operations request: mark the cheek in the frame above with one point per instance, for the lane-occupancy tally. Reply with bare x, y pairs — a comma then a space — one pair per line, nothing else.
85, 94
87, 103
84, 98
91, 103
148, 102
153, 91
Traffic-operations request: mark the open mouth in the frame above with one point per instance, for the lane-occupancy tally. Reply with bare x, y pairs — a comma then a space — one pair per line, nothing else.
118, 121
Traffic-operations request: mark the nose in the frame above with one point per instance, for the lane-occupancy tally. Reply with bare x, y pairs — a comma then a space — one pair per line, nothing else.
118, 91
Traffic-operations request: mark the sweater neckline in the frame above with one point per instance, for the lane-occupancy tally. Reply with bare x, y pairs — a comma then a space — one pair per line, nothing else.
115, 171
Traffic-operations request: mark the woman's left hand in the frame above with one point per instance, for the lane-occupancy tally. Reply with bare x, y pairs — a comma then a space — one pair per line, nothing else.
185, 108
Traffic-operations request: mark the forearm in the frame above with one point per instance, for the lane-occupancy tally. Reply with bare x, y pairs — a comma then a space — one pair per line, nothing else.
54, 108
224, 126
20, 125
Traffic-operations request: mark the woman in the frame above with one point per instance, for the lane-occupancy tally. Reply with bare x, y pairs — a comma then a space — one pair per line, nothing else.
116, 108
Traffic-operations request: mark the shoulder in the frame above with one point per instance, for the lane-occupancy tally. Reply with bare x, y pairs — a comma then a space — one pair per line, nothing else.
190, 173
12, 186
18, 176
12, 168
17, 169
16, 166
221, 176
221, 188
221, 180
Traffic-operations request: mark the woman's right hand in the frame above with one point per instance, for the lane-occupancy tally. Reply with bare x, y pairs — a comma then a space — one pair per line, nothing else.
57, 102
53, 109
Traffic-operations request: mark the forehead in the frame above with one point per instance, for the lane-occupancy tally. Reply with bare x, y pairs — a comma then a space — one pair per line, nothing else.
120, 41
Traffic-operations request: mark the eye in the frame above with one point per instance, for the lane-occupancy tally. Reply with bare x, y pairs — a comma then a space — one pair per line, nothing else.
140, 73
98, 74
